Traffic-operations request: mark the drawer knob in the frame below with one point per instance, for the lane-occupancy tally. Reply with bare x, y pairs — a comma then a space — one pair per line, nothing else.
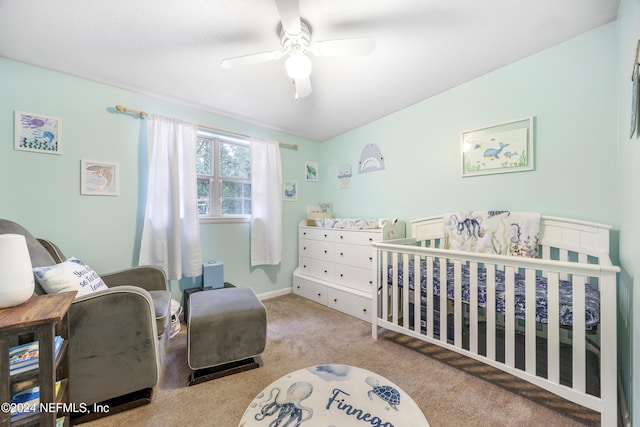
341, 237
335, 300
371, 239
325, 251
325, 272
341, 275
325, 235
370, 258
319, 294
341, 253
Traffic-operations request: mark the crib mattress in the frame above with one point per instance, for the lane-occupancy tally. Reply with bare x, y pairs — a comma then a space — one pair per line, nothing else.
592, 297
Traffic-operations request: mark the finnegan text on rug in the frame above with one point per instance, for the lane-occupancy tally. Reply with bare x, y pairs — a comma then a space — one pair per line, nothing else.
349, 409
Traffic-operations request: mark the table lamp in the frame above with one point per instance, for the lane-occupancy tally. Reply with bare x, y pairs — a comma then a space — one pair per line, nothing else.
16, 274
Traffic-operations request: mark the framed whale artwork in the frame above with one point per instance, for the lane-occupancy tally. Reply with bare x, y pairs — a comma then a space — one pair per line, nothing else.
502, 148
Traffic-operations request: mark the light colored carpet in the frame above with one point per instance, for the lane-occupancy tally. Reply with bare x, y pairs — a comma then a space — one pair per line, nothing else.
451, 390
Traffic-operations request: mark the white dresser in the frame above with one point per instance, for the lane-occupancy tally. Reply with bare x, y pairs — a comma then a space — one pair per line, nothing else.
335, 265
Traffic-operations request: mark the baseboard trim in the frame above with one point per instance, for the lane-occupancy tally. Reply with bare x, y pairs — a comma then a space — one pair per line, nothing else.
276, 293
623, 410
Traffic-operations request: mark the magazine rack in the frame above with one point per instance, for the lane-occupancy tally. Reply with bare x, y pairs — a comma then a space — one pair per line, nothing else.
42, 316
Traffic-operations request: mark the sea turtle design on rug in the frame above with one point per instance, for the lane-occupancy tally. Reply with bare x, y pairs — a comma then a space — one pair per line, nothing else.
385, 392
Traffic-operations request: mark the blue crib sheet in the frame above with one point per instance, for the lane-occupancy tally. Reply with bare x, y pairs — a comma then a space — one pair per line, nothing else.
592, 297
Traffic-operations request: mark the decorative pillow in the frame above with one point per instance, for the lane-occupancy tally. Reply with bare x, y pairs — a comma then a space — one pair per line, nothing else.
71, 275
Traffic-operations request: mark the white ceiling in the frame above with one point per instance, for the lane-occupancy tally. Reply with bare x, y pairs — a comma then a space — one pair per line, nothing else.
173, 49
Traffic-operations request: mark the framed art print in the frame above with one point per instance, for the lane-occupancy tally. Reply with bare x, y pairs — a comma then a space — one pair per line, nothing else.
290, 190
99, 178
35, 132
503, 148
311, 171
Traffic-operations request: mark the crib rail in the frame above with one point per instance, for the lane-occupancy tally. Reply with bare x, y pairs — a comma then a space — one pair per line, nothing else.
495, 339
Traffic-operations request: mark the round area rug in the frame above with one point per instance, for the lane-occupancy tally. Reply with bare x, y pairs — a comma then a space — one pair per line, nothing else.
333, 396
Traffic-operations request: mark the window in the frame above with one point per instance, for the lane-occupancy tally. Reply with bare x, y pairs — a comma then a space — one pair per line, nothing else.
224, 176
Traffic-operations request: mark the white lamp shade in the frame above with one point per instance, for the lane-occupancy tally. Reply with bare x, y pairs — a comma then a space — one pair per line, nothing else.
16, 274
298, 66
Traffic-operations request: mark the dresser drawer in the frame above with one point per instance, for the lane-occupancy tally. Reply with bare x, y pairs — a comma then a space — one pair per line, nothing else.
309, 289
348, 303
316, 249
357, 237
317, 268
356, 255
316, 233
354, 277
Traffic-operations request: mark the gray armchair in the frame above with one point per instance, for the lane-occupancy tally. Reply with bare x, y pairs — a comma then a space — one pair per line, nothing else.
118, 336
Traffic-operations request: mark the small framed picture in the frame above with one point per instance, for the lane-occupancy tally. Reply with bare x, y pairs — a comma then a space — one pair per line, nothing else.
311, 171
99, 178
290, 190
35, 132
503, 148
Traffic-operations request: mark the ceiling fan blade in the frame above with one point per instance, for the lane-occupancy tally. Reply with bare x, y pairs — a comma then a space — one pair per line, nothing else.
289, 11
255, 58
303, 87
359, 46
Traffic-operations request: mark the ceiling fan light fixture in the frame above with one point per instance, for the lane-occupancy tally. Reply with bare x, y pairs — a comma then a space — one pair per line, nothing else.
298, 66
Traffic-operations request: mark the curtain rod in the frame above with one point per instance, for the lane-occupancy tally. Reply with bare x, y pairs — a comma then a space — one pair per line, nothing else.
144, 115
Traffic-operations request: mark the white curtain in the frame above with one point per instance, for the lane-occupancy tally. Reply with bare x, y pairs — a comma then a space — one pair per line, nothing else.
171, 236
266, 202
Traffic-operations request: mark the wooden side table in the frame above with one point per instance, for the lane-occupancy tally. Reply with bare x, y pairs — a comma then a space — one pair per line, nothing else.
44, 316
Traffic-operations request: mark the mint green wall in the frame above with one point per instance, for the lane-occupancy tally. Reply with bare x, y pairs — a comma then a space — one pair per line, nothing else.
629, 207
571, 91
42, 191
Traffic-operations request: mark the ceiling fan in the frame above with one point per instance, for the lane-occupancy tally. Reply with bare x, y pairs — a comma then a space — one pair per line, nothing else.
295, 38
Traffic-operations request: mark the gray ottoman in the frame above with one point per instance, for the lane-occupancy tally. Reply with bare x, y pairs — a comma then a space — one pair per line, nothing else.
226, 329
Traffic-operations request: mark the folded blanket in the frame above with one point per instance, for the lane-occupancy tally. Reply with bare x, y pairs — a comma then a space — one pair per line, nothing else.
493, 232
348, 223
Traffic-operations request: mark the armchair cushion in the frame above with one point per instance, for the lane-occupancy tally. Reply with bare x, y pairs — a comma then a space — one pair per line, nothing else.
162, 307
70, 275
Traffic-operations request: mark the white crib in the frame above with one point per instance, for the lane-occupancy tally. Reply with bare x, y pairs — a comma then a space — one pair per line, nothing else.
574, 253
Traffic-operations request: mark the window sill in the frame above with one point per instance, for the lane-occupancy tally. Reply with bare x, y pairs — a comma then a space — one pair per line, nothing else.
224, 219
